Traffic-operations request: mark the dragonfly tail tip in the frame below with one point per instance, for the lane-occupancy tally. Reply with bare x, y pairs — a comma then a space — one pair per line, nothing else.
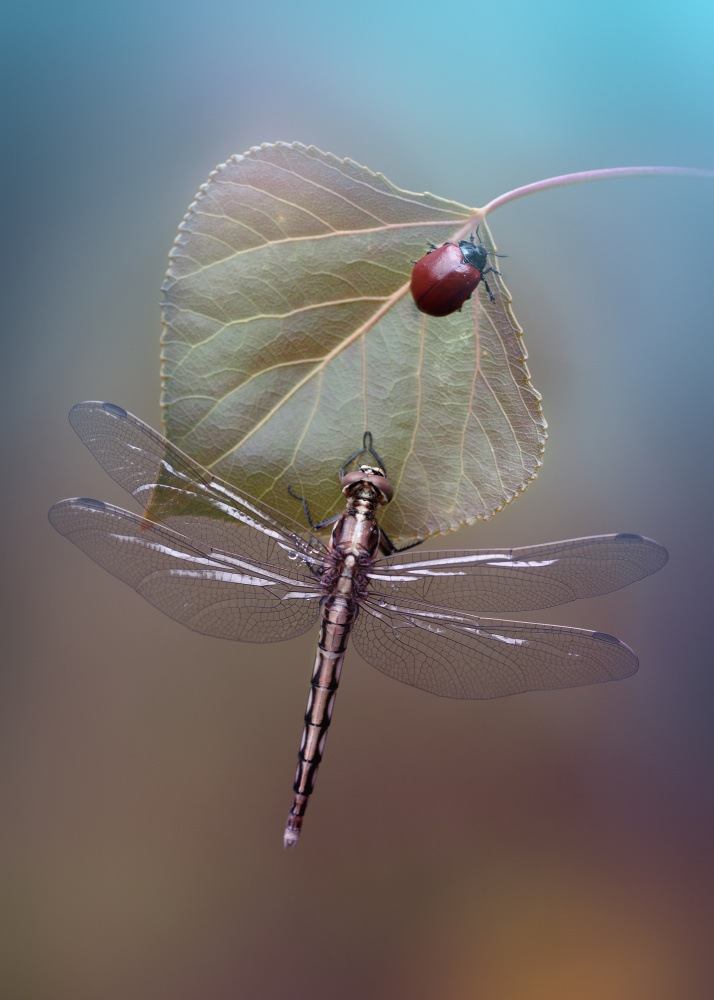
293, 825
290, 839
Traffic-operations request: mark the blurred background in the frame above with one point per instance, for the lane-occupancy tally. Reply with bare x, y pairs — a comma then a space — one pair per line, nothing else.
552, 846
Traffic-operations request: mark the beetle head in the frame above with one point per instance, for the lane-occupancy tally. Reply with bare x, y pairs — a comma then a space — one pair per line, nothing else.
474, 254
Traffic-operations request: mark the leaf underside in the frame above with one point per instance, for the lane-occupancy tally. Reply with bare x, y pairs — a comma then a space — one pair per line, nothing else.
290, 330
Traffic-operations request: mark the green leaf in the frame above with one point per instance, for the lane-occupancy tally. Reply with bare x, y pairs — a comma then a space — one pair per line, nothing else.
290, 331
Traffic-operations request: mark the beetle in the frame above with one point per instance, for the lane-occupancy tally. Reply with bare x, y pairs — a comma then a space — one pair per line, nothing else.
447, 276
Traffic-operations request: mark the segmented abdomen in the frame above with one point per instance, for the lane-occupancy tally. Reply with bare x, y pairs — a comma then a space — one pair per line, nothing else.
338, 615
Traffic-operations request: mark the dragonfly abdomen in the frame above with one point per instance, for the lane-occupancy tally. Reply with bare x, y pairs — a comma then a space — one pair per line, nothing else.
338, 616
353, 545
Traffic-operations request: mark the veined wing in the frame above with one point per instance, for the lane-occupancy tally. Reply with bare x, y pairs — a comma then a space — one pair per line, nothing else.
465, 656
535, 576
213, 592
180, 493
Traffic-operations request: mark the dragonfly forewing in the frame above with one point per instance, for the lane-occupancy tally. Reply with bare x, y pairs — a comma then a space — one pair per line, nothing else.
180, 493
522, 579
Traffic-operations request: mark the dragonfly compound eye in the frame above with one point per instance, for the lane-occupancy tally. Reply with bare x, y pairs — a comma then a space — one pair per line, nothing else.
380, 483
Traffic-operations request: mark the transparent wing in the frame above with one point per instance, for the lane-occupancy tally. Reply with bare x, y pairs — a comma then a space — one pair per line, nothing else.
465, 656
535, 576
213, 592
180, 493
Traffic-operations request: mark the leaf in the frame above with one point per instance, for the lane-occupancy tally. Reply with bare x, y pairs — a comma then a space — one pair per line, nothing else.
290, 331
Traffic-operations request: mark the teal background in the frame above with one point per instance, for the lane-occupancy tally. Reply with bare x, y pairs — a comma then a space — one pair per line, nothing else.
554, 846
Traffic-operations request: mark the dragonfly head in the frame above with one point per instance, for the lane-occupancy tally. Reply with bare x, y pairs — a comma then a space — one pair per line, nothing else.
368, 474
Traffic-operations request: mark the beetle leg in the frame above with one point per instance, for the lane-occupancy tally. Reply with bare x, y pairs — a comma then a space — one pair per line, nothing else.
493, 298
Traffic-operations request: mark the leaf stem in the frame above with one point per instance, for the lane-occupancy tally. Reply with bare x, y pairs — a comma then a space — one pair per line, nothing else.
593, 175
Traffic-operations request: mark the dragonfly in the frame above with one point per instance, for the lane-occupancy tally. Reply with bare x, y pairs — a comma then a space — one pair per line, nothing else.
225, 564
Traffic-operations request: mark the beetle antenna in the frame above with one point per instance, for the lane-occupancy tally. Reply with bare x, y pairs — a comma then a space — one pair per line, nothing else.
480, 243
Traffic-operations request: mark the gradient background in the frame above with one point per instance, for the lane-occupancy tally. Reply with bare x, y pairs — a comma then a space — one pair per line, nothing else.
553, 846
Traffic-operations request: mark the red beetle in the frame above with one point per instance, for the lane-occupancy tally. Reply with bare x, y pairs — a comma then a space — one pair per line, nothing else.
444, 279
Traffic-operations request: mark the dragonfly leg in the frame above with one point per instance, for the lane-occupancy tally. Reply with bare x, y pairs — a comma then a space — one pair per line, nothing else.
387, 546
313, 525
366, 446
